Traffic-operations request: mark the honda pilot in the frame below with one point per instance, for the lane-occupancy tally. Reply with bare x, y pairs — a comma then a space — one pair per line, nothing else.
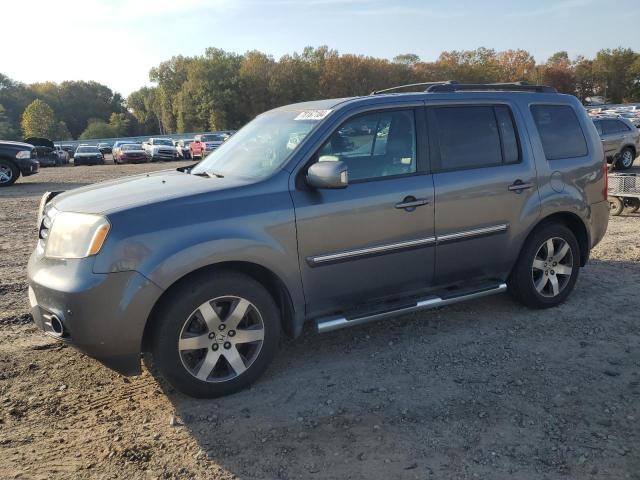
333, 212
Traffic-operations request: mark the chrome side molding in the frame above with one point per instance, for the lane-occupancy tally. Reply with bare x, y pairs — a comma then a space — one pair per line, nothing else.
336, 257
329, 324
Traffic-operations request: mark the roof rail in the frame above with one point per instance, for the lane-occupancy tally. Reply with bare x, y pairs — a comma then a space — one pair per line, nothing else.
423, 84
503, 87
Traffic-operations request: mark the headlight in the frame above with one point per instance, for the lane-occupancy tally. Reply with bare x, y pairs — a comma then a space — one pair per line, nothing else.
76, 235
23, 154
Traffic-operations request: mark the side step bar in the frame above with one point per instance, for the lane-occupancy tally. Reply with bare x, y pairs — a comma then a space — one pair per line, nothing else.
329, 324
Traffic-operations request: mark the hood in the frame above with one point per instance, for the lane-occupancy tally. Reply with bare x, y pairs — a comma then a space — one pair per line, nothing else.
139, 190
39, 142
15, 145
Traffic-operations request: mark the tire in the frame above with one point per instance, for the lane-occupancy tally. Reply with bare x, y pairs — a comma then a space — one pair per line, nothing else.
627, 157
536, 280
9, 173
206, 371
631, 204
616, 205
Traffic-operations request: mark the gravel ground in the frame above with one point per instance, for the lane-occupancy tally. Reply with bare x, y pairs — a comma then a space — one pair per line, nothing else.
485, 389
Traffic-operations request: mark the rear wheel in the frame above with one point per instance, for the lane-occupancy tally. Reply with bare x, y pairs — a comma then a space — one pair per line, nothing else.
626, 158
9, 173
548, 267
632, 204
616, 206
216, 334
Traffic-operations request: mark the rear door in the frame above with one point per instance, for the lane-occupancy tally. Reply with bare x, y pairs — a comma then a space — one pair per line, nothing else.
485, 189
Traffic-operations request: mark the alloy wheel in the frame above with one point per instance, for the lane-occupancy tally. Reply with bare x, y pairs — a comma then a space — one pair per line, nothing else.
6, 174
221, 339
627, 159
552, 267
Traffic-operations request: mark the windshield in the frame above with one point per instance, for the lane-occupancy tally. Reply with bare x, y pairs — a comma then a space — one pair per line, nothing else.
214, 138
131, 147
163, 141
261, 147
87, 150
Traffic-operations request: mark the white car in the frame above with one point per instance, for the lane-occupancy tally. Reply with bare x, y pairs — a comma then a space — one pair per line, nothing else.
161, 149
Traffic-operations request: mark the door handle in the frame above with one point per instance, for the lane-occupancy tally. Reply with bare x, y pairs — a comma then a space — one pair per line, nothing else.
519, 185
410, 203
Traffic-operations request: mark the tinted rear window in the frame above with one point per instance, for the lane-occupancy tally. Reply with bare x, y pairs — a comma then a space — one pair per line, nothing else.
560, 131
475, 136
614, 126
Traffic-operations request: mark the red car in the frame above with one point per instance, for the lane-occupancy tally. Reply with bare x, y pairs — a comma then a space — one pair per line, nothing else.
206, 143
131, 153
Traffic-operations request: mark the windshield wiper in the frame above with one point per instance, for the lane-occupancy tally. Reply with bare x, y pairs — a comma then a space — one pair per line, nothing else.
209, 174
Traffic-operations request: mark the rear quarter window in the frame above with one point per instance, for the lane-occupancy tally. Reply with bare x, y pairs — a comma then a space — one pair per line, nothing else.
560, 131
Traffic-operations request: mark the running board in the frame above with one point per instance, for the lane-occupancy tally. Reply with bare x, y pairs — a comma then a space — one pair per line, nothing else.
329, 324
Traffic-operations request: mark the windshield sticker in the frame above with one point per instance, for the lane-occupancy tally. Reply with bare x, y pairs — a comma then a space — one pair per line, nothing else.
312, 115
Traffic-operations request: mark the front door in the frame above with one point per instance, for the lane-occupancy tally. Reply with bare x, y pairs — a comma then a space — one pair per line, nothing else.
485, 190
375, 238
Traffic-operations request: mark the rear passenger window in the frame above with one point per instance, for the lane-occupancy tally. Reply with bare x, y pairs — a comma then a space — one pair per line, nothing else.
474, 137
598, 127
614, 126
560, 131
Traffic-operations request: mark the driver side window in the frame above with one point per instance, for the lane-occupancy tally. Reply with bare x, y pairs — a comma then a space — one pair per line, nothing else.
374, 145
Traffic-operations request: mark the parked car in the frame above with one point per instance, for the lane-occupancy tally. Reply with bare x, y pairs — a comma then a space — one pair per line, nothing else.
70, 149
116, 146
88, 155
131, 153
105, 148
204, 266
63, 155
160, 149
16, 158
206, 143
45, 151
182, 148
620, 140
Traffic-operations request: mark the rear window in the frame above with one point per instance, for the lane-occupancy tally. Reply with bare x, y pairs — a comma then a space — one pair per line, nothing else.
475, 137
560, 131
614, 126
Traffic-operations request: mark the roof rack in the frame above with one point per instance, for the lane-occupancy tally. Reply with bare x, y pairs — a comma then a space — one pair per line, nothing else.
423, 84
502, 87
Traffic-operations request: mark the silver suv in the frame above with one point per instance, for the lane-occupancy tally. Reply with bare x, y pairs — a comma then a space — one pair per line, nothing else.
334, 212
620, 139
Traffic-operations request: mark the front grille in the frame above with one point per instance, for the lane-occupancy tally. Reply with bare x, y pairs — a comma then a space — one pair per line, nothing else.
165, 152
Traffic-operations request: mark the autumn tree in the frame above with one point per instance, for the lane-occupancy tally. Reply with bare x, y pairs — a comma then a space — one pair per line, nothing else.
38, 120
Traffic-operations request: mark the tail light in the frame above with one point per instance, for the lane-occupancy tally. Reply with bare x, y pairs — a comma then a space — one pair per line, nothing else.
605, 172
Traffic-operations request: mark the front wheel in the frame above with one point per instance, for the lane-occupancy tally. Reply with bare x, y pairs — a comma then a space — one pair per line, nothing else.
548, 267
215, 334
9, 173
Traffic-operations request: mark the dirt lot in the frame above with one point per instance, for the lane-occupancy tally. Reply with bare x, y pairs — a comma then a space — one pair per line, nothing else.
486, 389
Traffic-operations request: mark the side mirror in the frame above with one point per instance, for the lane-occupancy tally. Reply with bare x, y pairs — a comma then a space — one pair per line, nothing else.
328, 174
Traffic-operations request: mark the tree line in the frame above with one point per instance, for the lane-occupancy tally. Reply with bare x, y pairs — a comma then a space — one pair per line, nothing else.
223, 90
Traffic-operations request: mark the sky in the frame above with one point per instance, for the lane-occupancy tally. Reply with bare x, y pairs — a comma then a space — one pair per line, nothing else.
117, 42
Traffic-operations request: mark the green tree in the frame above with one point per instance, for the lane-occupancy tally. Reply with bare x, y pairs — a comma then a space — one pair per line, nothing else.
38, 120
7, 132
406, 59
615, 70
98, 129
121, 123
62, 132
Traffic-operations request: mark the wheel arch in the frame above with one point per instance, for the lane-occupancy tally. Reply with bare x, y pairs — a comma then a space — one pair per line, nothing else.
575, 224
267, 278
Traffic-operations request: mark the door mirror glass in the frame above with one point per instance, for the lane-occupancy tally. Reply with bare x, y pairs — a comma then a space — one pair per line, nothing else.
329, 172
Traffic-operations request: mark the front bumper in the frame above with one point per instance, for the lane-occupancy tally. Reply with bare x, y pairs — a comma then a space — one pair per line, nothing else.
28, 166
103, 315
